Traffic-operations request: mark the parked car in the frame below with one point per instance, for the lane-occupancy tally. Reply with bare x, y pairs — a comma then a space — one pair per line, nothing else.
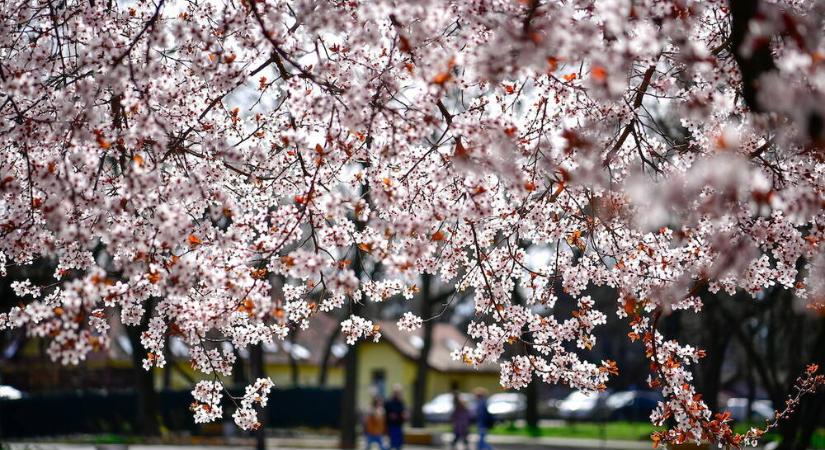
440, 408
760, 409
631, 405
507, 405
579, 405
10, 393
550, 408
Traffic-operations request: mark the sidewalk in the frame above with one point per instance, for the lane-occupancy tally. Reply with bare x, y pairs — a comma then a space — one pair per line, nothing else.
499, 443
331, 442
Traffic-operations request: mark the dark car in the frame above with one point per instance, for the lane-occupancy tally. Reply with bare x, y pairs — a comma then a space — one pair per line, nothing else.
631, 405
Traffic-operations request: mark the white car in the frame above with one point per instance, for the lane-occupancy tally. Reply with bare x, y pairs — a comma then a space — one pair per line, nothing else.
440, 408
760, 409
579, 405
10, 393
507, 405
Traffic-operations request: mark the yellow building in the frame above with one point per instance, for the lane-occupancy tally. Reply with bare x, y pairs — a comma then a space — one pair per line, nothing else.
300, 356
393, 360
381, 365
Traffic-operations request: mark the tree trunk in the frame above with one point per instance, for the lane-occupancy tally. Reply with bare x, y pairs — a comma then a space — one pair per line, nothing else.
349, 402
799, 428
422, 365
294, 370
789, 428
256, 370
758, 60
531, 413
239, 371
167, 371
717, 336
146, 422
323, 371
751, 390
810, 414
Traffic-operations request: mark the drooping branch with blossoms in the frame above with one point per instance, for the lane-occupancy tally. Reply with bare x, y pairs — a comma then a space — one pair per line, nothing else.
181, 154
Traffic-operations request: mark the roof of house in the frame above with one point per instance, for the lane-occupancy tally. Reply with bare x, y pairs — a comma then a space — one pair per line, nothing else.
446, 338
309, 345
307, 349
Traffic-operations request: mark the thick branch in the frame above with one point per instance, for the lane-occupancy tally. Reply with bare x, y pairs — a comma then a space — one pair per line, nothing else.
637, 102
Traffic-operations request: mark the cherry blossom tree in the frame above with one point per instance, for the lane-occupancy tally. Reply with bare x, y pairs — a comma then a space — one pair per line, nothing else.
179, 154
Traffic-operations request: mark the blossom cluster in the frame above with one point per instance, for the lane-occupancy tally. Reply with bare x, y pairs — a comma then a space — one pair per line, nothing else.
409, 322
207, 405
356, 327
245, 416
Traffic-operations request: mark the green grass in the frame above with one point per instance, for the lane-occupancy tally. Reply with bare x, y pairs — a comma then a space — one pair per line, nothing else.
111, 438
634, 431
630, 431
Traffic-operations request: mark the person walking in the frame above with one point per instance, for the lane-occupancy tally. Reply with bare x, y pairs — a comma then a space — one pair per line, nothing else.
484, 420
375, 425
460, 419
396, 415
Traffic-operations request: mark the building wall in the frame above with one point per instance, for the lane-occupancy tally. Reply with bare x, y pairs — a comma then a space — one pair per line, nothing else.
373, 357
398, 369
280, 373
381, 356
307, 375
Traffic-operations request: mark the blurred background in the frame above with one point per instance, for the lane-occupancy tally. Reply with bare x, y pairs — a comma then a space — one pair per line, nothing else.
755, 351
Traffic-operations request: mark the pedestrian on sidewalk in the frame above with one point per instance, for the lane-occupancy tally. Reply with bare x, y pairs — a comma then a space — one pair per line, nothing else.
396, 415
460, 419
375, 425
484, 420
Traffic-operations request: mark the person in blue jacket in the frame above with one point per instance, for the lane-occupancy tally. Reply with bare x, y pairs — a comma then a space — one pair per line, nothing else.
484, 420
396, 415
